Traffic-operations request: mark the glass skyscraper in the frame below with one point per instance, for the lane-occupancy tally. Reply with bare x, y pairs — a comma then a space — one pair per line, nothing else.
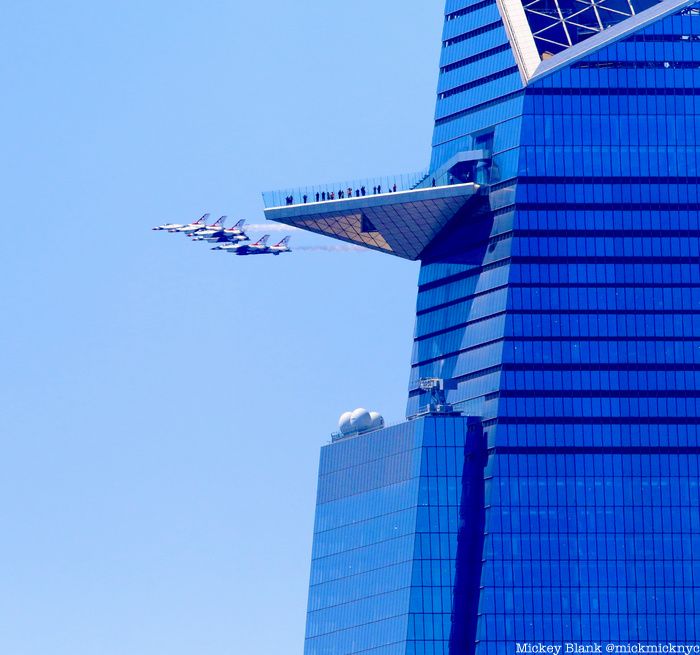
554, 497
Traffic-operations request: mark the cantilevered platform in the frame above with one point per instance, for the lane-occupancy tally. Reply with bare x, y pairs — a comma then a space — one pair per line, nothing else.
401, 223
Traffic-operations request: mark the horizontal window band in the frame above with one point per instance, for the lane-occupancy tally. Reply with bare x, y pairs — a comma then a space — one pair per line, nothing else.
456, 328
680, 259
545, 368
484, 29
601, 393
461, 401
612, 91
463, 378
511, 338
563, 286
594, 450
484, 105
470, 60
475, 246
599, 420
508, 183
357, 523
474, 272
468, 10
661, 38
480, 82
605, 312
573, 233
311, 614
462, 299
560, 206
605, 233
644, 180
461, 351
603, 285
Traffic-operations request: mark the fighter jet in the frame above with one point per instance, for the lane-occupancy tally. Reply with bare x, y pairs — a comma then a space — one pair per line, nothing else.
258, 248
235, 247
236, 232
282, 246
178, 227
189, 230
215, 228
222, 235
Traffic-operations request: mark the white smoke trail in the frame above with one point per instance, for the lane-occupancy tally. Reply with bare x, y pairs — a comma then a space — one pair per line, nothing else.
348, 248
277, 227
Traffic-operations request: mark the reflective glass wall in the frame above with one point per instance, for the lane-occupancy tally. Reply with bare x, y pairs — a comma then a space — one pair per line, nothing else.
565, 309
593, 521
392, 540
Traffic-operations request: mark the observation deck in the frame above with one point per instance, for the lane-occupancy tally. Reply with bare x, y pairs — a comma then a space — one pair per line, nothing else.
399, 216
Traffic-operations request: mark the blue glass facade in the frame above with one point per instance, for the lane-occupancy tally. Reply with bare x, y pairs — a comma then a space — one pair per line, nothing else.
394, 540
563, 304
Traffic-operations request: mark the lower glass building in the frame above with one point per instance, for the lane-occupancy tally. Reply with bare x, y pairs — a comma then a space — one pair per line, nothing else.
427, 540
558, 230
395, 539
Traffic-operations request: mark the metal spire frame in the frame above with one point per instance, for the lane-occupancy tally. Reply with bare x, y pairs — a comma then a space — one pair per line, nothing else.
563, 23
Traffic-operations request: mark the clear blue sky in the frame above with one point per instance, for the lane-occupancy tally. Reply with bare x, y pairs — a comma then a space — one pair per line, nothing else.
162, 406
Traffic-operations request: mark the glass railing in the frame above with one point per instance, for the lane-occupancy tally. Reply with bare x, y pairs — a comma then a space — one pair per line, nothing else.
352, 189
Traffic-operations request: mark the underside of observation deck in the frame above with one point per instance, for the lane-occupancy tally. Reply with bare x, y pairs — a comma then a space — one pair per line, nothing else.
401, 224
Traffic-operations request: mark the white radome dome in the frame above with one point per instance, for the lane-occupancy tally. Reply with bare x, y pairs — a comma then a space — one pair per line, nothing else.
360, 420
344, 423
377, 420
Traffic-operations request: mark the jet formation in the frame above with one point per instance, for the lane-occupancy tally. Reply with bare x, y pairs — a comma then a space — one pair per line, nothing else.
228, 239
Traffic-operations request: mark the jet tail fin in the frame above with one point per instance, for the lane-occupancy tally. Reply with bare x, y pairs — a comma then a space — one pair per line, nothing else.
262, 241
240, 223
284, 242
220, 222
203, 219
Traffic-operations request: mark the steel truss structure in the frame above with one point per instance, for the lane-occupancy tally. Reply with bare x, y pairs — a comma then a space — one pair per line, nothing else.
559, 24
